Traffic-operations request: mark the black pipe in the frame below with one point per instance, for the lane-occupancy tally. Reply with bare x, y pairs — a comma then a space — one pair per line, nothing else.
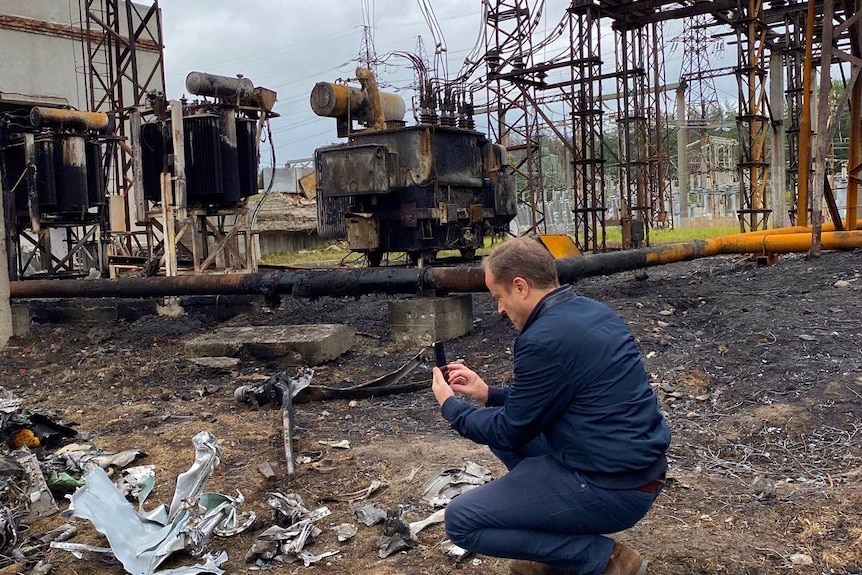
333, 282
319, 283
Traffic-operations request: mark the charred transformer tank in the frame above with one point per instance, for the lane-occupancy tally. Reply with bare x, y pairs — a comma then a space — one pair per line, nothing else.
414, 189
53, 162
220, 140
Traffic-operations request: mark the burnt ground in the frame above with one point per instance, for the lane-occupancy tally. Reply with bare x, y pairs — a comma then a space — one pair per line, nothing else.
759, 370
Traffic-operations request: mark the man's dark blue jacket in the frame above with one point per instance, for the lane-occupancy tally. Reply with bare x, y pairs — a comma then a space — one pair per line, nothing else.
580, 382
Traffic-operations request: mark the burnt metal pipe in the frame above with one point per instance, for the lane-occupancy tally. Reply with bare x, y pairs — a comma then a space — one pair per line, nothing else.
71, 118
364, 281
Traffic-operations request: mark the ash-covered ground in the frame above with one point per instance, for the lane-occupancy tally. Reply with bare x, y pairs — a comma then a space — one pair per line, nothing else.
758, 369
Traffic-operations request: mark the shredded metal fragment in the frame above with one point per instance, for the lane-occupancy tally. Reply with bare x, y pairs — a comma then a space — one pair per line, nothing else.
443, 487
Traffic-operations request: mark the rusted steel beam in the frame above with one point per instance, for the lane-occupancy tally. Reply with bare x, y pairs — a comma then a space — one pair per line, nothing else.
59, 30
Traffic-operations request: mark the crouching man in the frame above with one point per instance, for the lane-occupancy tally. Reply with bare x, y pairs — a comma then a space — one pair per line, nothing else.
579, 429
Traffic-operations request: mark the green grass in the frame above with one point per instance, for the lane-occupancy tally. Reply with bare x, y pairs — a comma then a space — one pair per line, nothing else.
680, 234
339, 254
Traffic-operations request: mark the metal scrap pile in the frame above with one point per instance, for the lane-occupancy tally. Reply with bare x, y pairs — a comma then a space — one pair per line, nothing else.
38, 468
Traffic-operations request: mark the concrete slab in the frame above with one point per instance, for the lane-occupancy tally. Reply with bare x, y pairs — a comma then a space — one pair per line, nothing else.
288, 345
21, 320
422, 321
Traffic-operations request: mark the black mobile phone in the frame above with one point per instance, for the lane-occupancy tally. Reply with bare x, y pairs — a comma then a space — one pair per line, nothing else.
440, 358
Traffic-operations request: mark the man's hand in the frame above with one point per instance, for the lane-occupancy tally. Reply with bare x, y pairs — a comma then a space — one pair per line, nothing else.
464, 380
441, 389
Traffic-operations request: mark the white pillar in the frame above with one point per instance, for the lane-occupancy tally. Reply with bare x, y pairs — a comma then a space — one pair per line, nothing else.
682, 152
5, 307
778, 169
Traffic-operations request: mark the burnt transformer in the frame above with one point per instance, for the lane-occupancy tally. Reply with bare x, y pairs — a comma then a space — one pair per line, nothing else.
53, 174
53, 165
219, 139
415, 189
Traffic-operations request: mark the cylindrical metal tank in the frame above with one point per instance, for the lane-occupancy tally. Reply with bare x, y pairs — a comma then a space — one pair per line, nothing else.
214, 86
204, 173
72, 118
246, 149
340, 101
95, 174
156, 145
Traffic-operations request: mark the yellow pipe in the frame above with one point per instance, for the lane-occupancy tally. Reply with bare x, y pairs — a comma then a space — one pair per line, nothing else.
751, 243
826, 227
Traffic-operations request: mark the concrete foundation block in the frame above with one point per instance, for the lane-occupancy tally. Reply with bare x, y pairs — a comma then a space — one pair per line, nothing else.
287, 345
422, 321
21, 320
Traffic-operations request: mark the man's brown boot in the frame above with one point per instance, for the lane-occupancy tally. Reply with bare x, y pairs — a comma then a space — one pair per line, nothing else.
625, 561
522, 567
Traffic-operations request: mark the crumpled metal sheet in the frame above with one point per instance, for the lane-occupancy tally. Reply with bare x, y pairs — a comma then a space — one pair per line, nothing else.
449, 483
371, 514
142, 544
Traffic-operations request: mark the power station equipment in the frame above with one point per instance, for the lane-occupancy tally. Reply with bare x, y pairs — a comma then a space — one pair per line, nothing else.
198, 163
53, 167
417, 189
220, 142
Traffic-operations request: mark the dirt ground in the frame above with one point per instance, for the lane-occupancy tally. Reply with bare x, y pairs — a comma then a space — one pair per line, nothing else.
758, 369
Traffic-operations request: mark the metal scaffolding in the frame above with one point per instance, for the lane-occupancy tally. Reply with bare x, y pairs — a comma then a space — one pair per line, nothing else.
116, 33
767, 34
509, 59
632, 132
660, 190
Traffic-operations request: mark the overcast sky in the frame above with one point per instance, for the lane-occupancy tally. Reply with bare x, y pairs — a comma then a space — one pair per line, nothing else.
288, 46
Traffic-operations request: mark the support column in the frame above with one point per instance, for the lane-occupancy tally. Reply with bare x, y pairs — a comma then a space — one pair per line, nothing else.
5, 308
421, 321
682, 152
778, 169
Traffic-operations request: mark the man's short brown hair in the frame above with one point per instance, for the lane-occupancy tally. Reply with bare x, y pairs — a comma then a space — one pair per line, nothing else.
522, 257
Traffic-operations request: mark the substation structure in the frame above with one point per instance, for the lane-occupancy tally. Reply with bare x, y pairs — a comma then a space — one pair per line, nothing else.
185, 168
783, 49
160, 185
137, 184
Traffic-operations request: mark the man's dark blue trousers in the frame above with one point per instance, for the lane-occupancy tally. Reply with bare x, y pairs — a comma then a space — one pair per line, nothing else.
542, 511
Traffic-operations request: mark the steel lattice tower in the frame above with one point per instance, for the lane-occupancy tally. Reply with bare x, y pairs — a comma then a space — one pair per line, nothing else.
509, 58
114, 32
752, 118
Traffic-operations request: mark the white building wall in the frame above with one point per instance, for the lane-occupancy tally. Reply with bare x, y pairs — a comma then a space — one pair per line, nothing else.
50, 64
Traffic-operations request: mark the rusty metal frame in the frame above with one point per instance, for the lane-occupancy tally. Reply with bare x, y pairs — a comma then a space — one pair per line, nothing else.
632, 133
79, 258
660, 192
509, 57
115, 31
752, 118
585, 95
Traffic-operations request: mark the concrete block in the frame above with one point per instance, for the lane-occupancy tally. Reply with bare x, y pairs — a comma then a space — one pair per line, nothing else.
422, 321
21, 320
287, 345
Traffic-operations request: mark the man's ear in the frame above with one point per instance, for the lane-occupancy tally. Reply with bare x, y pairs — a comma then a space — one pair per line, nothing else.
520, 285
